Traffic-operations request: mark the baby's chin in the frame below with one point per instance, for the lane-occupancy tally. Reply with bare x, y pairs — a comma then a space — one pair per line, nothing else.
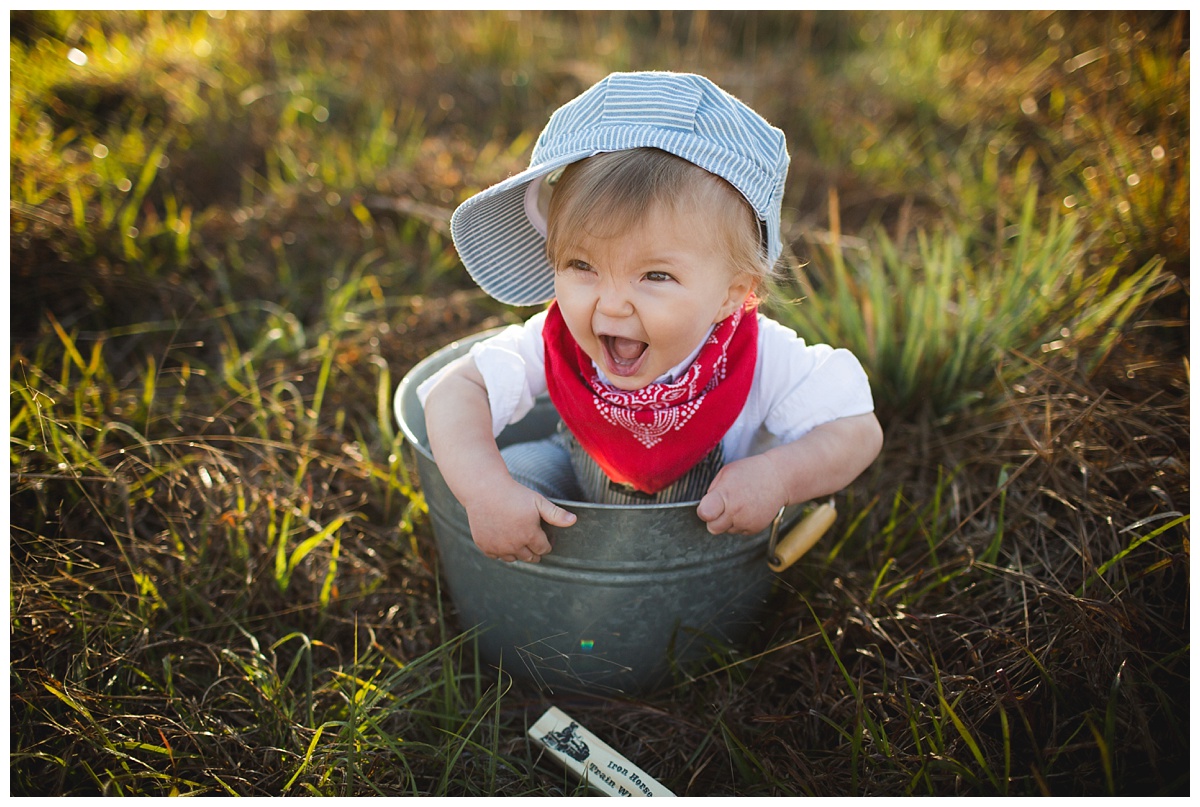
628, 385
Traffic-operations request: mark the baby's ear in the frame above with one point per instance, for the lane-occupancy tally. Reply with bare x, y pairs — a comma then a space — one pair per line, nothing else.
740, 288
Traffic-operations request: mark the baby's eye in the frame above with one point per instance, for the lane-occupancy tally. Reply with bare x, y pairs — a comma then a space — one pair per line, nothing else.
578, 265
659, 277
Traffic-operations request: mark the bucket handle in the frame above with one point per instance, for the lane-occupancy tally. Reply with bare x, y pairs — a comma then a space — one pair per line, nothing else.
800, 538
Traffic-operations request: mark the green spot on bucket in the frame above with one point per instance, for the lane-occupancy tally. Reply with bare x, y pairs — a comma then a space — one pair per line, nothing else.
586, 645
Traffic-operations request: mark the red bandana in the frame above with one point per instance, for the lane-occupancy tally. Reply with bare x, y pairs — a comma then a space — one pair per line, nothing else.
650, 437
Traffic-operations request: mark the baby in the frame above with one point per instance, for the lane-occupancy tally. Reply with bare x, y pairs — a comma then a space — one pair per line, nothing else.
649, 218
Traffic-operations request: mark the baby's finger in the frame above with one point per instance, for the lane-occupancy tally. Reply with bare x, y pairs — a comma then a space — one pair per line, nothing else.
711, 507
720, 526
551, 513
713, 511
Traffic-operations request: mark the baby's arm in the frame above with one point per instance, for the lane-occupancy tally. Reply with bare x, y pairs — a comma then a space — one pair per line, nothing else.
746, 495
504, 516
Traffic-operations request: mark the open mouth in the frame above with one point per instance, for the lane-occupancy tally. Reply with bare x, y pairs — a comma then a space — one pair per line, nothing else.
624, 356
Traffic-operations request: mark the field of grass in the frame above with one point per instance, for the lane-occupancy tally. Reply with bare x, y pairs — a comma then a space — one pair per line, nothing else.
229, 242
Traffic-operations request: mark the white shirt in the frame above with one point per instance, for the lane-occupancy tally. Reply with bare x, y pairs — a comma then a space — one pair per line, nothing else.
796, 386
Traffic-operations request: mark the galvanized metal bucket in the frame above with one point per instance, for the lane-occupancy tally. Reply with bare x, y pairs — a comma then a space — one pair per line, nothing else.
625, 593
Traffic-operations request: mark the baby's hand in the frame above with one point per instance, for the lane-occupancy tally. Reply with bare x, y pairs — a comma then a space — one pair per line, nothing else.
744, 497
507, 523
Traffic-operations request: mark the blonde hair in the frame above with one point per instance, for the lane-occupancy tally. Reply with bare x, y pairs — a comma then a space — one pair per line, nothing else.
611, 192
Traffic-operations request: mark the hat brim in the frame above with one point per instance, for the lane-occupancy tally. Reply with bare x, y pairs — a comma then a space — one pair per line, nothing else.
502, 249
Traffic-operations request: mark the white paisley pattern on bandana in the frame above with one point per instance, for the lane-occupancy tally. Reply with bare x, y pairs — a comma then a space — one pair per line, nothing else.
656, 410
650, 437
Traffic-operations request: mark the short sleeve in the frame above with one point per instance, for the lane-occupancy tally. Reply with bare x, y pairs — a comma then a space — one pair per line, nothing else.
805, 386
513, 367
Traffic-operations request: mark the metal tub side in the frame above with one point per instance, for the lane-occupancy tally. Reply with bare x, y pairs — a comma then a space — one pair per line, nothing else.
625, 593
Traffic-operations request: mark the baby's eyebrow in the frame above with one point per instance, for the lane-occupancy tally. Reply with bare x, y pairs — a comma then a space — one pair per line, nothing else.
666, 259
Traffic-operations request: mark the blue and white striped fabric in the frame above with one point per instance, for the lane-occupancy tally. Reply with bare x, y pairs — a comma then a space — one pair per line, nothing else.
684, 114
559, 468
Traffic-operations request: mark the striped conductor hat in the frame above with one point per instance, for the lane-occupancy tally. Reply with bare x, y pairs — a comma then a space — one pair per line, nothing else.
500, 233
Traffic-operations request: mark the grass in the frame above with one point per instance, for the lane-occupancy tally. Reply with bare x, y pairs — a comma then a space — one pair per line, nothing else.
229, 242
932, 321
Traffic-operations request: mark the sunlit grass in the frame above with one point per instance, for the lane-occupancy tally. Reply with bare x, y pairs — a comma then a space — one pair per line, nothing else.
189, 512
932, 323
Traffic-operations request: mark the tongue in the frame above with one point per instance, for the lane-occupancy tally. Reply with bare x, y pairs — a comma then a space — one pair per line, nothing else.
627, 349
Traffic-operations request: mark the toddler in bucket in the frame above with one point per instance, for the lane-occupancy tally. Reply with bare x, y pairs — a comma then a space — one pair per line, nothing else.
649, 219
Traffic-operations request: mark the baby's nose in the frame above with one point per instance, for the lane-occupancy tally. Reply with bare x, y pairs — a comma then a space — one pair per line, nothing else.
614, 300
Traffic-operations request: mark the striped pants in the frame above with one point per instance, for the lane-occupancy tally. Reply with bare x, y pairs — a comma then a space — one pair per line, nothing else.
559, 468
